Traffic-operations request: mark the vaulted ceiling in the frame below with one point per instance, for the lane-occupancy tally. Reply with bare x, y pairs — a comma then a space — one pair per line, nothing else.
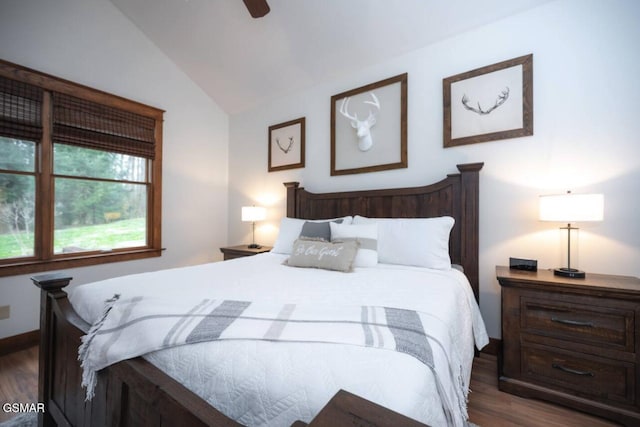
241, 62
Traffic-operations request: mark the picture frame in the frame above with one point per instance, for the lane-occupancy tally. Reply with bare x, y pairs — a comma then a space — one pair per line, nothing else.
287, 145
369, 127
489, 103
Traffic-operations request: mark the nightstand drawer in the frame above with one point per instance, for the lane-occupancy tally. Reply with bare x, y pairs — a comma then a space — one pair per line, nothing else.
592, 377
602, 325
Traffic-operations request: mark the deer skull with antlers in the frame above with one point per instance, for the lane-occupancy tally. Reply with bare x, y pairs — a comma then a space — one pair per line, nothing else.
362, 127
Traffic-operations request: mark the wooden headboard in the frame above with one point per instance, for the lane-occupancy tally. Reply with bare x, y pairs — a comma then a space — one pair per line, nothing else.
457, 196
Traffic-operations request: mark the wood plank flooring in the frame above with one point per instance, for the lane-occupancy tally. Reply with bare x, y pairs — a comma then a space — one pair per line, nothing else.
488, 407
18, 379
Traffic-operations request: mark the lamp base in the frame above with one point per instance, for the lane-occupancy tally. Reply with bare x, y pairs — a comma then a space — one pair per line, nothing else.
569, 272
254, 246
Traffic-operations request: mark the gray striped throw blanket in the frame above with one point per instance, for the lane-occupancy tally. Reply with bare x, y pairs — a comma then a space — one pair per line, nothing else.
135, 326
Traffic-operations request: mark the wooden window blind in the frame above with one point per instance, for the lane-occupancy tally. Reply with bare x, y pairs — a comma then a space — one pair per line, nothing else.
20, 110
90, 125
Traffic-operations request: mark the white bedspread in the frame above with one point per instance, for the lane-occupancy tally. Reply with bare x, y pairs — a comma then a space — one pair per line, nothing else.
260, 383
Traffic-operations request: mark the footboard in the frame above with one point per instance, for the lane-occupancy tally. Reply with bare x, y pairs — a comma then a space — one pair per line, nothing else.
132, 392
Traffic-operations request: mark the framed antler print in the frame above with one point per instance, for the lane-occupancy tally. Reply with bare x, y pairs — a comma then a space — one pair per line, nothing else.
489, 103
369, 127
286, 145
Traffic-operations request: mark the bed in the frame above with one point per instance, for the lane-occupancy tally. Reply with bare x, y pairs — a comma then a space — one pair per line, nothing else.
144, 390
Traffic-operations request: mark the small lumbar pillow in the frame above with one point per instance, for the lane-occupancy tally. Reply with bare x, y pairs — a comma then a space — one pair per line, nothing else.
365, 234
338, 256
290, 229
317, 230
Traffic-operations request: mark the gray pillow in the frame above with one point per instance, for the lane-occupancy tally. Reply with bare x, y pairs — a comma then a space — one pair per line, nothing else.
317, 230
338, 256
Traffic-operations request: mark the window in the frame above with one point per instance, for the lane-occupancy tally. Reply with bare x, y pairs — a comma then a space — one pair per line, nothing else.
17, 198
79, 175
100, 200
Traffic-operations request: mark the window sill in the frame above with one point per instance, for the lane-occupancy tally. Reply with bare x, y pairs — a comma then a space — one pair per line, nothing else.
28, 267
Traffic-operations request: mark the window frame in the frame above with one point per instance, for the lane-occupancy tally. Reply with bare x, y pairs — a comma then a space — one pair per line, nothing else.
45, 259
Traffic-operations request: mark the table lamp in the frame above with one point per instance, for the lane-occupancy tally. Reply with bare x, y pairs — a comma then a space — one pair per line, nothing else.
252, 214
570, 208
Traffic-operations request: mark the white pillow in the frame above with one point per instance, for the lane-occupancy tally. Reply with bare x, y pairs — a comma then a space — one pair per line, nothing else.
365, 234
290, 229
422, 242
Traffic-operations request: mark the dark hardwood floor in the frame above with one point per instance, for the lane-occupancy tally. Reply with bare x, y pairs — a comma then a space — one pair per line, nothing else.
488, 407
18, 379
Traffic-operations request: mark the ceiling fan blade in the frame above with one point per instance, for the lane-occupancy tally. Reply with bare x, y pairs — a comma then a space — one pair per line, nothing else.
257, 8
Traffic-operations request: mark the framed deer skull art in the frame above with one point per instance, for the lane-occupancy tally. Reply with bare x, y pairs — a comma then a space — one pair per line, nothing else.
286, 145
369, 127
489, 103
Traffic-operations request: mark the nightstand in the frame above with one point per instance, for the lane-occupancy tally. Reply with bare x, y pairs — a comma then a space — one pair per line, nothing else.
574, 342
232, 252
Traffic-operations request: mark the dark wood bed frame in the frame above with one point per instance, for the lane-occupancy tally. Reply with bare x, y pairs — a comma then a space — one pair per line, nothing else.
134, 392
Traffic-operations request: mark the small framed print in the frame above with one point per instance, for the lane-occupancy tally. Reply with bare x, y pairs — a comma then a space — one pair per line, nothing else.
286, 145
489, 103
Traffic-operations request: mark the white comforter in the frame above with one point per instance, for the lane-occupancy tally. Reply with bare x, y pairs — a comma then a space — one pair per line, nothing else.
261, 383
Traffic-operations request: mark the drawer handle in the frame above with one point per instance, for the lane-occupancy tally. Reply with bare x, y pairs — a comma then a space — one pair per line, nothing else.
572, 322
572, 371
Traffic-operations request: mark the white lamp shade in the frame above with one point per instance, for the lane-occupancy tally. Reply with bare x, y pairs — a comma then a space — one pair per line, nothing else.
253, 213
572, 207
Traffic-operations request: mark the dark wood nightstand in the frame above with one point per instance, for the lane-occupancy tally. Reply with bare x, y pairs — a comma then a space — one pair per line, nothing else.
574, 342
347, 409
232, 252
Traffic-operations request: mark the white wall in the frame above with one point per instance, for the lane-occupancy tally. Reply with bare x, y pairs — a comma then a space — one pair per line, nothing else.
586, 130
91, 42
